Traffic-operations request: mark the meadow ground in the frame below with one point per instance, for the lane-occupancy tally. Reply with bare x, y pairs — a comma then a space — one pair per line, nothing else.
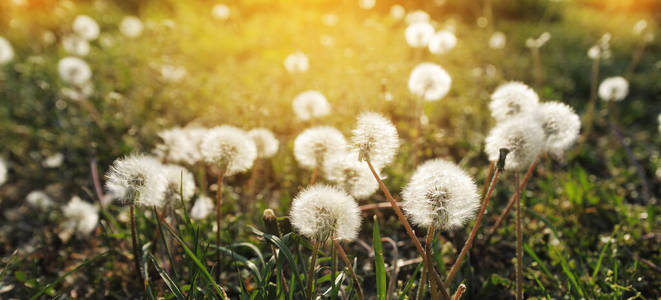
590, 216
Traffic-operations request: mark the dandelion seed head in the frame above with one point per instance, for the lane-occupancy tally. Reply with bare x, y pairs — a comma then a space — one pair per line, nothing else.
497, 40
440, 194
429, 81
375, 138
131, 27
561, 126
180, 145
614, 89
39, 200
512, 99
311, 104
179, 182
82, 216
4, 170
397, 12
229, 147
138, 180
314, 145
6, 51
173, 73
522, 136
442, 42
322, 211
220, 12
53, 161
202, 208
265, 141
418, 34
417, 16
76, 45
297, 62
74, 70
347, 173
86, 28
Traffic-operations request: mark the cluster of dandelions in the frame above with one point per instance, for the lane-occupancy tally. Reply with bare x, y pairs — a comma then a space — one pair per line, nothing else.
420, 33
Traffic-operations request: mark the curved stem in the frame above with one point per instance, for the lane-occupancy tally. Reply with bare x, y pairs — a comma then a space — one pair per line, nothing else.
519, 243
478, 220
219, 196
134, 241
356, 283
313, 262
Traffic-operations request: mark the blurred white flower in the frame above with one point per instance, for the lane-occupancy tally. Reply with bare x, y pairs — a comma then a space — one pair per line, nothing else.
522, 136
497, 40
74, 70
329, 19
81, 216
6, 51
639, 27
179, 182
230, 148
265, 141
397, 12
417, 16
173, 73
48, 37
418, 34
429, 81
297, 62
202, 208
322, 211
658, 119
75, 45
442, 42
313, 146
376, 139
39, 200
53, 161
138, 180
440, 194
539, 41
180, 145
614, 89
4, 170
86, 28
602, 49
366, 4
512, 99
310, 105
220, 12
561, 126
354, 177
131, 27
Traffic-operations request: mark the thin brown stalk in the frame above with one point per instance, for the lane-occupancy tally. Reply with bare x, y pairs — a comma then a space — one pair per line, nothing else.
313, 262
313, 179
420, 294
96, 181
134, 241
433, 288
469, 241
349, 266
407, 227
376, 206
492, 166
460, 291
219, 196
519, 243
254, 175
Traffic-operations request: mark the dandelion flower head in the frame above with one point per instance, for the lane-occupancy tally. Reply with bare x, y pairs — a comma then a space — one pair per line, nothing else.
347, 173
180, 182
74, 70
512, 99
202, 208
429, 81
418, 34
297, 62
397, 12
522, 136
6, 51
561, 126
76, 45
442, 42
39, 199
314, 145
4, 169
131, 27
417, 16
614, 89
265, 141
497, 40
81, 215
220, 12
311, 104
230, 148
137, 179
375, 138
85, 27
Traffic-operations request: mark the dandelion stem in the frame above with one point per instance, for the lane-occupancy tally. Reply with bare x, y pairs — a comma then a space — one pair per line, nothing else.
313, 262
519, 242
407, 226
313, 179
333, 270
478, 220
636, 59
219, 195
356, 283
430, 238
460, 291
134, 241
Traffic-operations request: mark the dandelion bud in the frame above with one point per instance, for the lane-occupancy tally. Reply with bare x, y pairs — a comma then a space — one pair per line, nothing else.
81, 215
440, 194
85, 27
375, 138
137, 180
614, 89
512, 99
522, 136
442, 42
561, 126
270, 222
313, 146
418, 34
180, 182
429, 81
354, 177
265, 141
74, 70
6, 51
311, 104
322, 211
229, 148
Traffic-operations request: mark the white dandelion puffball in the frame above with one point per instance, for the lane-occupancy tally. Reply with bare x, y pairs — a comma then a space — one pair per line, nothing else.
131, 27
6, 51
522, 136
53, 161
311, 104
639, 27
561, 126
417, 16
220, 12
440, 194
397, 12
138, 180
429, 81
4, 170
75, 45
74, 70
180, 145
497, 40
512, 99
347, 173
81, 216
297, 62
418, 34
594, 52
173, 73
614, 89
442, 42
39, 200
375, 138
85, 27
366, 4
314, 145
202, 208
322, 211
265, 141
180, 182
230, 148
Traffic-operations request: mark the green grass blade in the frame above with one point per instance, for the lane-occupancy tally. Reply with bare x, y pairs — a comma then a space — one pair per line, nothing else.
567, 270
166, 278
409, 284
379, 263
536, 258
242, 259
